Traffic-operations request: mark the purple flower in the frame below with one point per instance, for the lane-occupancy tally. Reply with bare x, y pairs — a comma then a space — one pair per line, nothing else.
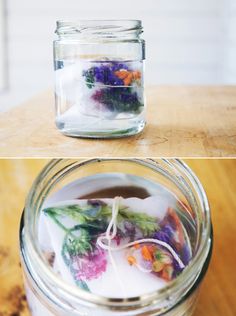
128, 97
105, 74
185, 254
118, 66
118, 99
96, 202
165, 234
177, 268
97, 96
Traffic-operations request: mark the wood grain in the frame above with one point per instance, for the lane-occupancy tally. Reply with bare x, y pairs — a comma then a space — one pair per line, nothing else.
183, 121
16, 177
218, 291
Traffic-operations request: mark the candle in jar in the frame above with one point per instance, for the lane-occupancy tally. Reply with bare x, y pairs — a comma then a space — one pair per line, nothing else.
113, 243
148, 247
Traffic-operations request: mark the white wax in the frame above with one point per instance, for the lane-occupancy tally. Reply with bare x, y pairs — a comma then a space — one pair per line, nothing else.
123, 280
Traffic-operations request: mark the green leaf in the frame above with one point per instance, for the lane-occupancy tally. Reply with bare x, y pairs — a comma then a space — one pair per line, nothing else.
78, 213
158, 255
83, 285
148, 224
89, 77
78, 245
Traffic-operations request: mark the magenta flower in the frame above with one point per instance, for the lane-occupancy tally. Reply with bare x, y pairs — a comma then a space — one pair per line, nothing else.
90, 266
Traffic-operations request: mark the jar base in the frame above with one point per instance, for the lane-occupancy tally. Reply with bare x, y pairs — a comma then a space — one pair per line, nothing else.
97, 133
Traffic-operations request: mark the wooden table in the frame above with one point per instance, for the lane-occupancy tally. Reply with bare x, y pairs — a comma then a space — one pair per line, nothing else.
218, 291
183, 121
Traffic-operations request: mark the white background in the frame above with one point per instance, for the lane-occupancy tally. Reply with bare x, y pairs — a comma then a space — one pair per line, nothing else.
3, 77
188, 41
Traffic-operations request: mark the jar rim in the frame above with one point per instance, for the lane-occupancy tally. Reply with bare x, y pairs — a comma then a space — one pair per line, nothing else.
141, 300
103, 21
110, 28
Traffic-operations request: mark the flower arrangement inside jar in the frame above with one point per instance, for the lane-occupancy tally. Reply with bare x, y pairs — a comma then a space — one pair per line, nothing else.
120, 247
102, 91
114, 89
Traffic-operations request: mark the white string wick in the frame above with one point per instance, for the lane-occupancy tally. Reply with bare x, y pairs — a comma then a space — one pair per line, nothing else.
111, 235
105, 241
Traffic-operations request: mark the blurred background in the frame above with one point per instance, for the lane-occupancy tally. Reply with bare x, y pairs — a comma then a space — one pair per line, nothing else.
188, 41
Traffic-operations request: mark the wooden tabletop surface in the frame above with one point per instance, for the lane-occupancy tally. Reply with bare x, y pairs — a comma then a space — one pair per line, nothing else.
182, 121
218, 291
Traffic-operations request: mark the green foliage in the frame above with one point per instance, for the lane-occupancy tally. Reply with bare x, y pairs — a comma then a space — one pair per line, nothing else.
146, 223
79, 214
83, 285
100, 213
79, 239
78, 245
89, 78
158, 255
120, 99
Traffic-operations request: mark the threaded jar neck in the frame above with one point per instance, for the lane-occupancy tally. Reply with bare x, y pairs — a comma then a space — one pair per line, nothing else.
100, 29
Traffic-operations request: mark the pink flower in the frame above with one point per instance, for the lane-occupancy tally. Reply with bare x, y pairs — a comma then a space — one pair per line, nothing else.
90, 266
97, 96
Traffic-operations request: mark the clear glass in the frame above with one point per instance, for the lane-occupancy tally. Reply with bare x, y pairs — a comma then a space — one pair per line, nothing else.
99, 85
48, 294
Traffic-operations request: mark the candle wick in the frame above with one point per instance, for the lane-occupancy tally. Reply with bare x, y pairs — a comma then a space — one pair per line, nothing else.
111, 235
105, 241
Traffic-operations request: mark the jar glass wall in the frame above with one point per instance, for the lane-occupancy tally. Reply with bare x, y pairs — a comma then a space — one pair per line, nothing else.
49, 294
99, 84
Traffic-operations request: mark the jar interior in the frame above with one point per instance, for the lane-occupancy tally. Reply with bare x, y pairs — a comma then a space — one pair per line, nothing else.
104, 180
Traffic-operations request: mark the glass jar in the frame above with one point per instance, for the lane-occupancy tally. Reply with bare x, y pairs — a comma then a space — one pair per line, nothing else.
49, 295
99, 86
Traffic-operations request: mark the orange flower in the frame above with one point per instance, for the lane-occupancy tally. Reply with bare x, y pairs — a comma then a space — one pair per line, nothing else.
122, 74
136, 75
132, 260
128, 79
128, 76
178, 225
147, 255
166, 273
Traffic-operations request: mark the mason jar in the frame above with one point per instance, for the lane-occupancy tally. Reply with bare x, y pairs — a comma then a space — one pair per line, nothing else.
49, 293
99, 78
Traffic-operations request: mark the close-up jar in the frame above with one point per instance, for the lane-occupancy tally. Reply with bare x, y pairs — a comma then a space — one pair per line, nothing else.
104, 237
99, 78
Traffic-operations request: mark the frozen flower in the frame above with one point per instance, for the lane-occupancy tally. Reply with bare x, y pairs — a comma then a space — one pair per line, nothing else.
116, 93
